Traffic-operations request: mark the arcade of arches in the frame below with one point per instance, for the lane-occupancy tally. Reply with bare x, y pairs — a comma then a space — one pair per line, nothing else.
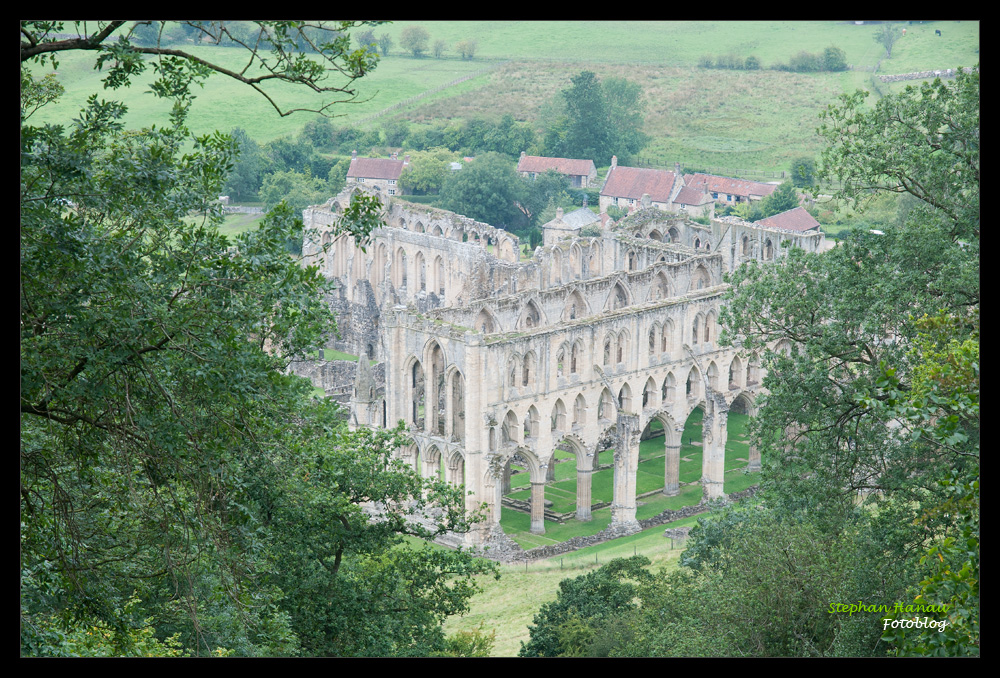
598, 351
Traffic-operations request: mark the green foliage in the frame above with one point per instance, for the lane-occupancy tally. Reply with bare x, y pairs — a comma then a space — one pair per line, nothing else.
318, 132
178, 492
567, 624
297, 189
427, 170
385, 43
467, 48
887, 35
803, 172
834, 59
487, 189
782, 199
475, 643
247, 174
601, 120
414, 39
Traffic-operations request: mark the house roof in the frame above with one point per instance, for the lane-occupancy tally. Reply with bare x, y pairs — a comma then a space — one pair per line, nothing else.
740, 187
580, 218
570, 166
796, 219
375, 168
692, 195
632, 182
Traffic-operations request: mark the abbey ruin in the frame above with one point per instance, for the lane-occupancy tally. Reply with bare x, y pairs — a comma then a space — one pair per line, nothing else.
488, 354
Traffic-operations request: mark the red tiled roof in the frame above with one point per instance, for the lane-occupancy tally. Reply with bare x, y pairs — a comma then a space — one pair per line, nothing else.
375, 168
632, 182
570, 166
796, 219
740, 187
692, 195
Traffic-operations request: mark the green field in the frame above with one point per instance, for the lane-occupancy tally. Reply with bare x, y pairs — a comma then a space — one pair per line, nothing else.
696, 116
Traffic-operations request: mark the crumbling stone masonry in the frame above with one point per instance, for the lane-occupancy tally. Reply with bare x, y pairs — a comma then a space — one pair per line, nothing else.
487, 356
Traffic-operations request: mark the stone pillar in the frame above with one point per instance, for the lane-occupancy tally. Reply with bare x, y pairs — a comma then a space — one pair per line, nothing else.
672, 469
537, 507
713, 466
583, 480
754, 464
626, 467
550, 470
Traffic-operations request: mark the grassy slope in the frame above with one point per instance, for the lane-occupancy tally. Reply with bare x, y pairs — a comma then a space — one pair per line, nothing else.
695, 116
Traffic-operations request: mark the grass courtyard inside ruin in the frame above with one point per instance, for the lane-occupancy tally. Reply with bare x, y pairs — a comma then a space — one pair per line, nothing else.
562, 492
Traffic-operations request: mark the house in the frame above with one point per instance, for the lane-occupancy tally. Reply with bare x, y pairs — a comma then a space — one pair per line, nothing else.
568, 225
797, 220
624, 187
727, 191
382, 174
581, 173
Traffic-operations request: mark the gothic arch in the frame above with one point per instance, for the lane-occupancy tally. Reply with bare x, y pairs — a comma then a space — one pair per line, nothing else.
619, 297
485, 322
531, 316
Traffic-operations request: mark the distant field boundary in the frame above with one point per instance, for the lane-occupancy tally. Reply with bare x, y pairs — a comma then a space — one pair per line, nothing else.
422, 95
659, 163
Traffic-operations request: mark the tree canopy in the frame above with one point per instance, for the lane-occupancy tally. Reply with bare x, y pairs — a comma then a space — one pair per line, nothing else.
599, 120
867, 423
179, 493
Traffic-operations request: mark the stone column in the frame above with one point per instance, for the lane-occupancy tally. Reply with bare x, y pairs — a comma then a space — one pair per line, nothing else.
672, 469
626, 467
584, 476
714, 447
754, 464
537, 507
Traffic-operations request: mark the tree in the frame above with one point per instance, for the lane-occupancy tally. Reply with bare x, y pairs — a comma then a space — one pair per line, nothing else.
427, 170
440, 47
568, 625
165, 456
414, 38
600, 120
365, 39
834, 59
803, 172
849, 408
248, 171
782, 199
467, 48
487, 189
588, 133
887, 35
385, 43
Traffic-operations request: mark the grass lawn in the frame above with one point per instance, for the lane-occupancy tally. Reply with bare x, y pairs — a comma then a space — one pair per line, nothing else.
649, 478
508, 606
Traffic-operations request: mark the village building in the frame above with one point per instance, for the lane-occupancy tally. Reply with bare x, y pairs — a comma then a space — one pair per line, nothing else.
581, 173
727, 190
379, 174
490, 360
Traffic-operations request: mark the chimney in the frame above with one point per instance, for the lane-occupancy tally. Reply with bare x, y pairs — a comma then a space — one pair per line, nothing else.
559, 213
677, 168
406, 159
522, 155
614, 161
394, 156
354, 154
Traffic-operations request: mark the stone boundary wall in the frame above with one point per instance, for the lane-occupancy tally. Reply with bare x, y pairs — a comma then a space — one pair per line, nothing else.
507, 550
241, 209
335, 375
924, 75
